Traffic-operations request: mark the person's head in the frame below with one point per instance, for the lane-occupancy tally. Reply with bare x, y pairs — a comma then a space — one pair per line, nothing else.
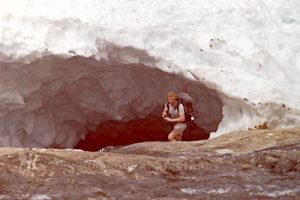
172, 97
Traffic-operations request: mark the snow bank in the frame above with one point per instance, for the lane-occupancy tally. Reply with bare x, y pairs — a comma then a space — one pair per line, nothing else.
247, 52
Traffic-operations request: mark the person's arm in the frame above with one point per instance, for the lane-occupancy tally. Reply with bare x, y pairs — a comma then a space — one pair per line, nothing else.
164, 113
181, 117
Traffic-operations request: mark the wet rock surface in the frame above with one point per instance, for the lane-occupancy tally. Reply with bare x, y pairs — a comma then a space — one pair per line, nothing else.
261, 164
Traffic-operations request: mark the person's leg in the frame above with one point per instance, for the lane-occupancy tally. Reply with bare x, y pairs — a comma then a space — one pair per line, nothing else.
175, 135
178, 136
171, 136
178, 131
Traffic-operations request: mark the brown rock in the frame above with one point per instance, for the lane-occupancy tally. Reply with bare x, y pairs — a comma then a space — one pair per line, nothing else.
260, 164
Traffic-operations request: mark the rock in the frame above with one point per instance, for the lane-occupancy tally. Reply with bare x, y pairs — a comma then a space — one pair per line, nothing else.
260, 164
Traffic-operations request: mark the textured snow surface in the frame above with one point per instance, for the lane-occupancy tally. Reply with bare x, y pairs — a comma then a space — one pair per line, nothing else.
247, 51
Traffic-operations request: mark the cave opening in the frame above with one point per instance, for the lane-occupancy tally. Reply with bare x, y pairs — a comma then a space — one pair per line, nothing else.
85, 103
151, 128
140, 93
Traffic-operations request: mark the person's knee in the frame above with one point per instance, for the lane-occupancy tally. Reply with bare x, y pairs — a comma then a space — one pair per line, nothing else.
171, 137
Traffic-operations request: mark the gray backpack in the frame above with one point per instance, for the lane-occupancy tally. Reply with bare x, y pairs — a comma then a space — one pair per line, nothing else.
187, 102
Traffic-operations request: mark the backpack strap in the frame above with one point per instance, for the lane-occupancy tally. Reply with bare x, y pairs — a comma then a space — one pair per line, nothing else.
168, 107
176, 107
178, 104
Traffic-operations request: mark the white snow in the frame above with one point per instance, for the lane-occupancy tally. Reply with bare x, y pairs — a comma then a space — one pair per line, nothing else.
224, 151
131, 168
248, 51
40, 197
192, 191
279, 193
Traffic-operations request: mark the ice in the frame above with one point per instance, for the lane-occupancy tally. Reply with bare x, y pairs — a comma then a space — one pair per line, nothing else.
224, 151
275, 194
244, 57
79, 93
131, 168
191, 191
40, 197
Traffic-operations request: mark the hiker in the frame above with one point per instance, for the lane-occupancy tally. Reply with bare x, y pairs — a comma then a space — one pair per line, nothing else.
174, 113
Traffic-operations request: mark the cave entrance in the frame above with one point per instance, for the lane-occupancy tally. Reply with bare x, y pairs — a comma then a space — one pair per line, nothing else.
131, 100
151, 128
81, 102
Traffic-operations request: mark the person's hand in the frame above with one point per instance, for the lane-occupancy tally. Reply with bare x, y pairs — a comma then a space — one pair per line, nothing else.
164, 114
168, 119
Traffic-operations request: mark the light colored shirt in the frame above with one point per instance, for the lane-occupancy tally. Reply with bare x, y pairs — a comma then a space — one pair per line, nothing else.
174, 112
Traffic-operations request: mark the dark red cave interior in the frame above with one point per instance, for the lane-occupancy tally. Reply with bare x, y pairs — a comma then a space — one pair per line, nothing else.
152, 128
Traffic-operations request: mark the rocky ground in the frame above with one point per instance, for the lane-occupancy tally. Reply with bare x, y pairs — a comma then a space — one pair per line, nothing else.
258, 164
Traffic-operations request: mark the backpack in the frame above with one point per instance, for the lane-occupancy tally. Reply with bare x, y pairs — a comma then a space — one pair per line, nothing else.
187, 102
